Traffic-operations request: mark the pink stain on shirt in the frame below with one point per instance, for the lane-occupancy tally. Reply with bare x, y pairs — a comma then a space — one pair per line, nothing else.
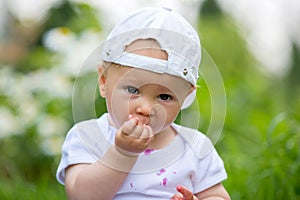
147, 152
165, 180
161, 172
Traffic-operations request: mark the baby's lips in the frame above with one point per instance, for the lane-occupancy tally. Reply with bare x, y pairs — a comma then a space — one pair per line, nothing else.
140, 120
143, 120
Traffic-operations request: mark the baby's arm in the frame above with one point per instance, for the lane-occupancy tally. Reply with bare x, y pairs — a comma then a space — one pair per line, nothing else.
217, 192
102, 179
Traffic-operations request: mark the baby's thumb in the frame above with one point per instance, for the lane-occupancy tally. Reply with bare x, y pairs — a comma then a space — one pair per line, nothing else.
128, 126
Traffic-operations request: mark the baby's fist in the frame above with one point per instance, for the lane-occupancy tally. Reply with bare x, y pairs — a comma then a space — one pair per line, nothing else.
133, 138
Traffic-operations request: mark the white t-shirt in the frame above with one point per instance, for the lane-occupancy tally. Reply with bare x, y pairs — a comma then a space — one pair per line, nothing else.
189, 160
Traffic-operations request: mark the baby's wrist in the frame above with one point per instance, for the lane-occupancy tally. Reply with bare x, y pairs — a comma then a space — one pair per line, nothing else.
113, 158
126, 153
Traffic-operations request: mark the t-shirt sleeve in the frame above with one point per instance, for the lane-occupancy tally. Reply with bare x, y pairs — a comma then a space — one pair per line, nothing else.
211, 171
73, 152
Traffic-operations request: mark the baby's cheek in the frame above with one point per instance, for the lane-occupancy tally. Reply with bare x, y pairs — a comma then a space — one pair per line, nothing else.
161, 116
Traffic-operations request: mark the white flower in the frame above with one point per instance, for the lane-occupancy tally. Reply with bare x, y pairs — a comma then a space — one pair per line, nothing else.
59, 39
28, 111
52, 129
80, 53
51, 81
8, 122
50, 125
30, 10
53, 145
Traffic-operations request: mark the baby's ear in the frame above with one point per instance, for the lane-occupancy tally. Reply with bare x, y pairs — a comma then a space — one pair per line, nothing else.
101, 80
192, 89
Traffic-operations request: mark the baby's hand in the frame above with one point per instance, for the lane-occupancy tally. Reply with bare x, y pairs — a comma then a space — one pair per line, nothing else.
133, 138
185, 194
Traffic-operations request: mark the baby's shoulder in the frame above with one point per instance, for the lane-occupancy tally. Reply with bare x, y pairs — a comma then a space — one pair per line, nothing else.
86, 124
92, 125
199, 143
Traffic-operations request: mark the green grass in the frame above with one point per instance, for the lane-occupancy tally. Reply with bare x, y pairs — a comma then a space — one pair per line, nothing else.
19, 189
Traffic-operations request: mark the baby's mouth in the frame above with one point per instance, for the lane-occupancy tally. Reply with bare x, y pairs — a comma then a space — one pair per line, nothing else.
142, 119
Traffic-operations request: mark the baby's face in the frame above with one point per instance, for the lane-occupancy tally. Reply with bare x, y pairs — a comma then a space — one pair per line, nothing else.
155, 99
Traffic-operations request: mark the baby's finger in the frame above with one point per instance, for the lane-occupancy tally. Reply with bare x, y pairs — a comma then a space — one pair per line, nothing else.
137, 131
187, 194
129, 126
177, 197
144, 132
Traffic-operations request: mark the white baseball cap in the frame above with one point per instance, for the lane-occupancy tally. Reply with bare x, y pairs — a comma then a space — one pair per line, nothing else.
175, 36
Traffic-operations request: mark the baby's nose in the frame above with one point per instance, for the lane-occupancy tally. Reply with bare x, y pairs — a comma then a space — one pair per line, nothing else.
144, 108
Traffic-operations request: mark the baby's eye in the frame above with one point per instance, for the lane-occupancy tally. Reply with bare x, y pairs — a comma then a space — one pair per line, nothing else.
132, 90
165, 97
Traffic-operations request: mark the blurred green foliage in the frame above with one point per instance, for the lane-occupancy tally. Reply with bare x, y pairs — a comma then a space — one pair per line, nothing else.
77, 17
261, 136
260, 144
73, 17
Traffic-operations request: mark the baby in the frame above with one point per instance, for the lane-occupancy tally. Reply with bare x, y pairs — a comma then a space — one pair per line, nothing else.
136, 151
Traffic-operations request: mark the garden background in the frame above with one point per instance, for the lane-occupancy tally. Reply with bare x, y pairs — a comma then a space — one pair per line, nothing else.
40, 56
